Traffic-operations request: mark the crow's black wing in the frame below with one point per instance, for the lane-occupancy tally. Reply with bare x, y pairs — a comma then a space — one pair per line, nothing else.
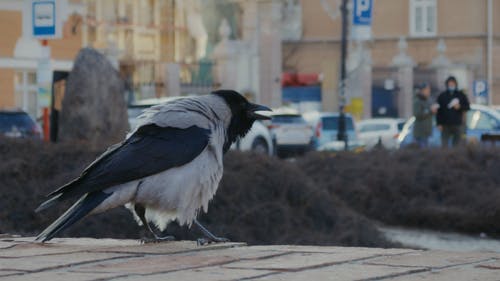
150, 150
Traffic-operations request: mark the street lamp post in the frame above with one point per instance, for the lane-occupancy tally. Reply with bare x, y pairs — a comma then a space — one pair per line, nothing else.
342, 134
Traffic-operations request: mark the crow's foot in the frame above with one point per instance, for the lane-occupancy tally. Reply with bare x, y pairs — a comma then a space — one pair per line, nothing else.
206, 241
210, 238
157, 239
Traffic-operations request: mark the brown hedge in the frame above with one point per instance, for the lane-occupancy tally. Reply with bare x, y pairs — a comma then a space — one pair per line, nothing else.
261, 200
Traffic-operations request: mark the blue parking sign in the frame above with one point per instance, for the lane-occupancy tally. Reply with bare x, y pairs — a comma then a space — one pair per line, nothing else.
480, 88
362, 12
44, 18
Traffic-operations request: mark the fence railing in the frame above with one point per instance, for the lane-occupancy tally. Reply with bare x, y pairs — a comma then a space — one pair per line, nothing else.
195, 79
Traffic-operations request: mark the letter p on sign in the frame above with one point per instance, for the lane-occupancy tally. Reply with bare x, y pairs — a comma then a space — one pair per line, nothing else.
363, 6
362, 12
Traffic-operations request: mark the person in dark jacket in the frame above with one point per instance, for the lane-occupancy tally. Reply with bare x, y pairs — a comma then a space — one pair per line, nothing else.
453, 104
423, 110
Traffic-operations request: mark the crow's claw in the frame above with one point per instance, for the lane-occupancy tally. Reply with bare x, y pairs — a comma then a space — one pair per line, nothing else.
206, 241
157, 239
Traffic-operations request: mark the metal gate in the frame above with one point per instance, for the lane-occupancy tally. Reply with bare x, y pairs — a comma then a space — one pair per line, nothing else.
147, 80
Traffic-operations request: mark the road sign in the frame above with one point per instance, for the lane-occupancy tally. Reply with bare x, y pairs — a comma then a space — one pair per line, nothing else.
480, 88
45, 19
362, 12
44, 78
362, 20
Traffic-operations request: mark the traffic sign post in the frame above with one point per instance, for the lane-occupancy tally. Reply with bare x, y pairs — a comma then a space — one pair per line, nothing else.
44, 19
44, 82
362, 20
46, 24
342, 134
480, 91
362, 12
44, 76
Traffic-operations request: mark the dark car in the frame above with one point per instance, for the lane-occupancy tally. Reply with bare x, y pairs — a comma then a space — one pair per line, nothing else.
18, 124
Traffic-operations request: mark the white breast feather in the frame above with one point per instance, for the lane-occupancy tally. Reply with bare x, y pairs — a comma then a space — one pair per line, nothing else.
179, 193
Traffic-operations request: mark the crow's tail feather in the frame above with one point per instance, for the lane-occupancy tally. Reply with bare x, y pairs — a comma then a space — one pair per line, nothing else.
80, 209
64, 192
49, 203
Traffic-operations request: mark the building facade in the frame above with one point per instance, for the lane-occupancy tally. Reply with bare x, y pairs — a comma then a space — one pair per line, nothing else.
412, 41
141, 38
19, 54
160, 47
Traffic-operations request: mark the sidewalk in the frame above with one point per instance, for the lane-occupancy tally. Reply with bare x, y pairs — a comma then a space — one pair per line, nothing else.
105, 259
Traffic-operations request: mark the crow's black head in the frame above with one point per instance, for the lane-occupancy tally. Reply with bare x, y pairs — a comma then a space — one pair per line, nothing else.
243, 115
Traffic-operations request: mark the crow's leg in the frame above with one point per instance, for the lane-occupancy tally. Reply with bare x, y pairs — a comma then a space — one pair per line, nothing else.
141, 213
210, 238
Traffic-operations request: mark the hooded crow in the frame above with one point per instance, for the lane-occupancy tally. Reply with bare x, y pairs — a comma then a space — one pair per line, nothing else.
168, 168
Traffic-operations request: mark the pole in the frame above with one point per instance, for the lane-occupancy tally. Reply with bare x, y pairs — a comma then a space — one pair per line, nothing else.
46, 124
342, 135
44, 81
490, 51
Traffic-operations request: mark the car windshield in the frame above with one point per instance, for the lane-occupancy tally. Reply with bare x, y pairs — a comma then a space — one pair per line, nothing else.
480, 120
332, 123
288, 119
15, 119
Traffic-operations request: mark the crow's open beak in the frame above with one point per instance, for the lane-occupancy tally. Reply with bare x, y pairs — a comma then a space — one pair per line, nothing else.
255, 108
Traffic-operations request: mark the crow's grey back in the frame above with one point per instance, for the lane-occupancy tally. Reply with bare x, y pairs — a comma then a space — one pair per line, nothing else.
202, 111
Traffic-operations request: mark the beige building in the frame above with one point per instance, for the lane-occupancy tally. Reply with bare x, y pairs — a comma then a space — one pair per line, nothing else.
140, 37
442, 37
161, 47
19, 54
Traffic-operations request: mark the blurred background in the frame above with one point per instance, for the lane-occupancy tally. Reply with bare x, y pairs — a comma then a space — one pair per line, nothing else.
341, 75
277, 52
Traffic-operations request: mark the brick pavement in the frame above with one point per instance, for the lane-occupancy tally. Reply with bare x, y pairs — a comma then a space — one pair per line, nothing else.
109, 259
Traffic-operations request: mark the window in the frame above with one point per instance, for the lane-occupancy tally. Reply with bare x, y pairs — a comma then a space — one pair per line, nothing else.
27, 92
288, 119
481, 121
423, 18
332, 123
401, 125
146, 11
374, 128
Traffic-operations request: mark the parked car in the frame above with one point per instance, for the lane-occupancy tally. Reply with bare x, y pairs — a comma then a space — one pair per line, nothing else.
290, 132
18, 124
380, 130
497, 108
325, 126
480, 120
258, 138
